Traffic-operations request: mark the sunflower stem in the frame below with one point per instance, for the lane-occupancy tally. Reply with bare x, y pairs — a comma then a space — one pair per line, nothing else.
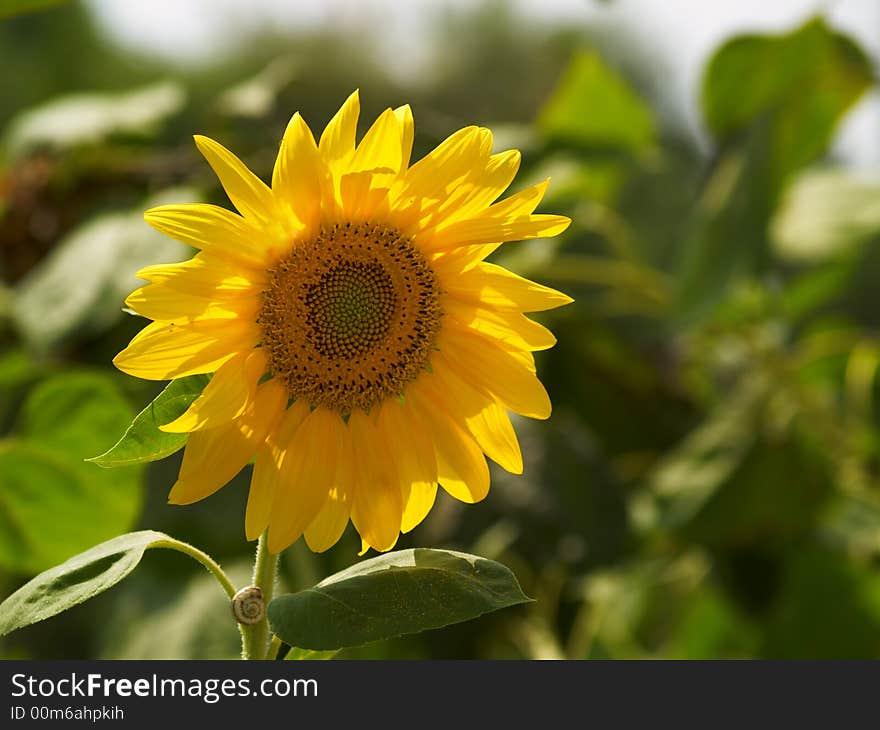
255, 637
206, 560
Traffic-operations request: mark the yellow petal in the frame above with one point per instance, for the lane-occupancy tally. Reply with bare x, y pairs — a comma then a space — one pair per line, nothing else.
482, 417
167, 350
326, 529
338, 137
210, 460
491, 285
296, 179
210, 228
307, 475
381, 147
522, 203
163, 302
414, 459
438, 173
461, 467
484, 186
231, 388
494, 433
261, 493
377, 506
512, 328
213, 457
250, 195
485, 230
266, 476
496, 372
509, 220
413, 453
205, 275
407, 128
418, 499
361, 199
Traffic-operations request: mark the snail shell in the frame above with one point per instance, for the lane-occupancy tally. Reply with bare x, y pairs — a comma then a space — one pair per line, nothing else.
248, 606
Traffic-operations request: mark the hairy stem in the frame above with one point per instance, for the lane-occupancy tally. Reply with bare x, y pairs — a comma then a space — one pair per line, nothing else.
205, 559
255, 637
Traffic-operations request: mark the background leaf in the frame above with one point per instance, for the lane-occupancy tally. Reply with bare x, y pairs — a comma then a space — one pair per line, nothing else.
802, 82
800, 85
52, 302
81, 119
55, 504
622, 121
402, 592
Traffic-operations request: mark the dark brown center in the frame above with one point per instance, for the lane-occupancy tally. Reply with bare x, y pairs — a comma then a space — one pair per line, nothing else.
350, 316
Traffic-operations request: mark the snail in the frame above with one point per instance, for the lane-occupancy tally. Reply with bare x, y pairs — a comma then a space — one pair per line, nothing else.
248, 606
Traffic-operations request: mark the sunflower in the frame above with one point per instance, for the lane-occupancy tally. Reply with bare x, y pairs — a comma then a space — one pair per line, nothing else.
362, 350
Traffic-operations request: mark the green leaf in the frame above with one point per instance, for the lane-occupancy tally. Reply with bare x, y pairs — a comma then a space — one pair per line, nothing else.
773, 103
593, 107
79, 579
71, 411
801, 82
17, 371
402, 592
53, 503
11, 8
142, 441
61, 298
88, 118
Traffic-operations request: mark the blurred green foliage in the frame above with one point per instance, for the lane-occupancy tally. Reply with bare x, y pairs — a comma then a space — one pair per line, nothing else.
708, 485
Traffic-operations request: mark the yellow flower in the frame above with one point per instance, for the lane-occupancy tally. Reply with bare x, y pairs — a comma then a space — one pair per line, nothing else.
362, 351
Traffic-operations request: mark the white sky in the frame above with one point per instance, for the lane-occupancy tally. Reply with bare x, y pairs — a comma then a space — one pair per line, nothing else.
682, 31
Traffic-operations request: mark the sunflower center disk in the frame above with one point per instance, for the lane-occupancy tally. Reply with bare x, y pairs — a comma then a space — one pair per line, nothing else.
350, 316
352, 307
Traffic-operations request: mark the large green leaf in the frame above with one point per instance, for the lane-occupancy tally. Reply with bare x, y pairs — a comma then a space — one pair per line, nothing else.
402, 592
142, 441
802, 82
79, 579
773, 103
55, 505
593, 107
88, 118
